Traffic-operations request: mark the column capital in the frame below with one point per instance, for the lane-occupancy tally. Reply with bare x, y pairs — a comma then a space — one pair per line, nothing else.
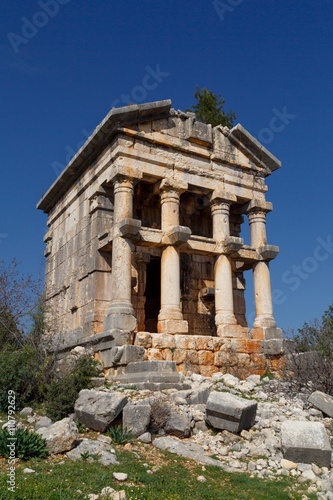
123, 173
220, 196
254, 206
257, 215
169, 184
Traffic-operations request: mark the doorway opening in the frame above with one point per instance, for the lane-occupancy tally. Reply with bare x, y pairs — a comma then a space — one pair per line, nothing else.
153, 294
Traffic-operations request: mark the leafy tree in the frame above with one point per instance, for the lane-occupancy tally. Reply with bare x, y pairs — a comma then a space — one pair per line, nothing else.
18, 297
317, 335
309, 363
209, 109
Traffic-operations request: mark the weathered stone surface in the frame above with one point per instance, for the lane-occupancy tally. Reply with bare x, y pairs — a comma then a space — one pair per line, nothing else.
97, 410
226, 411
188, 450
306, 442
153, 375
43, 422
195, 396
94, 448
61, 436
136, 417
122, 355
178, 425
323, 402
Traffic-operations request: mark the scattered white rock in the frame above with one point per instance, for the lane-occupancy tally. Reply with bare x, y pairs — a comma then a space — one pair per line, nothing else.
288, 464
28, 471
60, 436
120, 476
201, 479
27, 411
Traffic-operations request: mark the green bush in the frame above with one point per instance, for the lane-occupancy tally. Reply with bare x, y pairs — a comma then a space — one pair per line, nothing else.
27, 444
64, 391
19, 372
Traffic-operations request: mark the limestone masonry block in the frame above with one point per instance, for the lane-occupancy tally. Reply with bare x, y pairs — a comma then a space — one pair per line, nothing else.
179, 356
163, 340
206, 357
97, 410
229, 412
323, 402
206, 343
136, 418
143, 339
185, 342
306, 442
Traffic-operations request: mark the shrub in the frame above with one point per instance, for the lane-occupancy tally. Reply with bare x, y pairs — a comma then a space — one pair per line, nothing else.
160, 413
27, 444
119, 435
64, 391
310, 364
19, 372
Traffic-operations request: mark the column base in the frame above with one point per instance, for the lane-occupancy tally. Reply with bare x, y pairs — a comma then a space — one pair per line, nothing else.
266, 333
120, 321
233, 331
225, 319
172, 326
264, 322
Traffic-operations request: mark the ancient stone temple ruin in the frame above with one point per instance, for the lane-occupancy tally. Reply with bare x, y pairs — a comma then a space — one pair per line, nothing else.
144, 255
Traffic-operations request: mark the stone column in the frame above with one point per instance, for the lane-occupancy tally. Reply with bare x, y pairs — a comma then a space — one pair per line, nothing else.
261, 274
121, 313
170, 319
224, 304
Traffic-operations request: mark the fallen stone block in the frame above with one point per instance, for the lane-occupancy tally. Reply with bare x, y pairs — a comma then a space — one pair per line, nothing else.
323, 402
306, 442
229, 412
136, 418
195, 396
61, 436
97, 410
178, 425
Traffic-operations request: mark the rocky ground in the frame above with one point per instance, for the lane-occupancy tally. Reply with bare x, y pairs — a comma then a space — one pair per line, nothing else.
176, 421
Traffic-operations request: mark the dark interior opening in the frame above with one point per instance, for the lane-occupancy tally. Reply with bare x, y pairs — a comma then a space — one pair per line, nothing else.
195, 213
153, 294
147, 207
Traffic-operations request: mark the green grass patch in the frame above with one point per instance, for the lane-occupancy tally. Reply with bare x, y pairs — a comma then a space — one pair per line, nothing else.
173, 478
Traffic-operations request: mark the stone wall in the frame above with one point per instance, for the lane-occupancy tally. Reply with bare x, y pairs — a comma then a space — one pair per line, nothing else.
206, 355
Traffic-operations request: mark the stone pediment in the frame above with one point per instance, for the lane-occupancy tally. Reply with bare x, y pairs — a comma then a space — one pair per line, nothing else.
157, 122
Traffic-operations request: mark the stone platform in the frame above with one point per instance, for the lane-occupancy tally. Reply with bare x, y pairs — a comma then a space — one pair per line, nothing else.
152, 375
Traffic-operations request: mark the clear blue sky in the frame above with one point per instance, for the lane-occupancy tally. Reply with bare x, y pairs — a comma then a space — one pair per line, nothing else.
266, 58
